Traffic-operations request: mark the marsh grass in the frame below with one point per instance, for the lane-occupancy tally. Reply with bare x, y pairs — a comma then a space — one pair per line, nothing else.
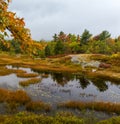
38, 106
115, 69
100, 57
27, 75
45, 75
30, 118
105, 75
113, 120
5, 71
62, 64
56, 68
12, 100
11, 107
19, 96
98, 106
30, 81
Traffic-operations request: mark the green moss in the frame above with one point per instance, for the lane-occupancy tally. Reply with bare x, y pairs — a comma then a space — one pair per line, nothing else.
114, 120
29, 118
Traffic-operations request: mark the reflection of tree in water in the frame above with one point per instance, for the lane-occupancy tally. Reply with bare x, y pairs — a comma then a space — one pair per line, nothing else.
62, 78
100, 84
83, 81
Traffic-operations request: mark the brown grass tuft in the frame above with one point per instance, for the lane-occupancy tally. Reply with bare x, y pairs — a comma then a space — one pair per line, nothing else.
30, 81
18, 96
27, 75
98, 106
38, 106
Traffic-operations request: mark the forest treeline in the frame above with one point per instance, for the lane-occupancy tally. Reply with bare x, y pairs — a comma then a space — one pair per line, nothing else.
66, 44
61, 43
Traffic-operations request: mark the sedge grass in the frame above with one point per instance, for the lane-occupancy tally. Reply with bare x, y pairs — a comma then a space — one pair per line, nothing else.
29, 82
98, 106
38, 106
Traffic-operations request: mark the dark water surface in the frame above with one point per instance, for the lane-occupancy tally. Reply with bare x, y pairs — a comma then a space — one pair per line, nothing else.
60, 87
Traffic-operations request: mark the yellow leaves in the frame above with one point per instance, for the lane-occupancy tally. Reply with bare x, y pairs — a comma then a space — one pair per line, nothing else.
9, 1
3, 5
17, 28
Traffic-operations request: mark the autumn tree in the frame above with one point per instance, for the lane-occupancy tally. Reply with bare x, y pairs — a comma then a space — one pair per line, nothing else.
10, 22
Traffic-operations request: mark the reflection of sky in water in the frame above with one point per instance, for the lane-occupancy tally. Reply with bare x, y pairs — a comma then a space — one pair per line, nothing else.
59, 88
50, 91
9, 81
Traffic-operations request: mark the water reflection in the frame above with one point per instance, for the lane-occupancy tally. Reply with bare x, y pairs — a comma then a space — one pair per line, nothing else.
100, 84
64, 78
84, 82
59, 87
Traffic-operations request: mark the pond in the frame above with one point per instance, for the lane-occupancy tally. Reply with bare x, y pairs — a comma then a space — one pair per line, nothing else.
60, 87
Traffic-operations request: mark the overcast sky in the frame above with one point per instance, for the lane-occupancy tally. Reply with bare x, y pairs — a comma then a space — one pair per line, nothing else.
46, 17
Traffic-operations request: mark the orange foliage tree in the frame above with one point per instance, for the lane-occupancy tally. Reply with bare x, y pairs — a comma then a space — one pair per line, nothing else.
9, 21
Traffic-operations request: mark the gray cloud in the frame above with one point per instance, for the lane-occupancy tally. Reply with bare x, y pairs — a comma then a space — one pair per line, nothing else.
46, 17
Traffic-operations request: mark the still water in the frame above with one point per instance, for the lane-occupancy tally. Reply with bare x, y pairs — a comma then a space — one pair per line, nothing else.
60, 87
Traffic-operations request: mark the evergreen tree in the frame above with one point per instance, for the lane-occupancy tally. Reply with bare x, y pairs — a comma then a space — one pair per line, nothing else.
85, 37
47, 51
59, 48
104, 35
55, 37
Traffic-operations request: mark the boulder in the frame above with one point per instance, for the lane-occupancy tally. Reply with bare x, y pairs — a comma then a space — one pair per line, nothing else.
104, 65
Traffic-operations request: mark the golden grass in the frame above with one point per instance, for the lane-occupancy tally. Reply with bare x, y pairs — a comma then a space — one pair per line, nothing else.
27, 75
61, 64
38, 106
56, 68
104, 74
38, 64
98, 106
18, 71
18, 96
30, 81
14, 99
45, 75
5, 71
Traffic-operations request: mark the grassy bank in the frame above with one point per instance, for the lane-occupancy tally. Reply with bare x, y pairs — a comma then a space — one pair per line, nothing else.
61, 64
98, 106
19, 98
64, 118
